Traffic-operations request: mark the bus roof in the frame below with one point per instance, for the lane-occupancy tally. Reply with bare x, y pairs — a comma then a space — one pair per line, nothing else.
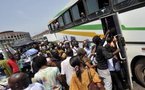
65, 8
72, 2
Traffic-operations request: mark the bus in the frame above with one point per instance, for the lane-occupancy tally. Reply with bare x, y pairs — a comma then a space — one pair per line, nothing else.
49, 37
83, 19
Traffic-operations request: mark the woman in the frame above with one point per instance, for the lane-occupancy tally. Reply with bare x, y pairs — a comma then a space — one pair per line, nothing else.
13, 64
83, 56
81, 78
46, 75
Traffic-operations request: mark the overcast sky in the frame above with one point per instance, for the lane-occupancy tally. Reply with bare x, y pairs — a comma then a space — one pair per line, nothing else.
28, 15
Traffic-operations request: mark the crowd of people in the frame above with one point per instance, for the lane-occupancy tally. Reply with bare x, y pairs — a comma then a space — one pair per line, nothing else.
67, 66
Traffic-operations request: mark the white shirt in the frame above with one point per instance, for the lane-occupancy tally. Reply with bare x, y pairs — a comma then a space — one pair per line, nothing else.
75, 49
67, 69
88, 51
113, 67
47, 77
35, 86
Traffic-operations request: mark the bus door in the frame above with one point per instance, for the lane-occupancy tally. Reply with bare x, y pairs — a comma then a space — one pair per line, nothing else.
111, 23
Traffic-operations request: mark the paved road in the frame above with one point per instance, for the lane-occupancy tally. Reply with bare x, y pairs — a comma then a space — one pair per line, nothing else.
136, 86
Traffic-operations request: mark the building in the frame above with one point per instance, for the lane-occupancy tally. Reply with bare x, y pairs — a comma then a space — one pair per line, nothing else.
40, 37
9, 37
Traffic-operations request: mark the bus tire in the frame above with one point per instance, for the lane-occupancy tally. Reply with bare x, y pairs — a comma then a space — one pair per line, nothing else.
139, 71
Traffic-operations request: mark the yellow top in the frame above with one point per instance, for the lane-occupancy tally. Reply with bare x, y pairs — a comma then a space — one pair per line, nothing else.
76, 84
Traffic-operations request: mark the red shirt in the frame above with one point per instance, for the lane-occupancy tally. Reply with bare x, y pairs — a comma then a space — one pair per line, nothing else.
13, 65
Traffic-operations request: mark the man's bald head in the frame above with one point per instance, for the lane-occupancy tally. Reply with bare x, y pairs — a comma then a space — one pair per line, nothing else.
18, 81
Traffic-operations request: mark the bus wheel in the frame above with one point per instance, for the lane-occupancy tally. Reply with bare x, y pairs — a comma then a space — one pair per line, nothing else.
139, 70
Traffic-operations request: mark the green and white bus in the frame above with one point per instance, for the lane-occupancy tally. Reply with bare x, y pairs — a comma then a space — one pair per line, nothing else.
83, 19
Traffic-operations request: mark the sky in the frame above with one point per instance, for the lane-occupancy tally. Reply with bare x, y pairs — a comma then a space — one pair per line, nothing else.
28, 15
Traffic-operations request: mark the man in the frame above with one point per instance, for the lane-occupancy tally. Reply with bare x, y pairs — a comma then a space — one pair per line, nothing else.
102, 56
66, 70
20, 81
87, 47
75, 47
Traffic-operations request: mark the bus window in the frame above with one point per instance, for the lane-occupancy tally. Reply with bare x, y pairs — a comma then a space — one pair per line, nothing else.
92, 6
117, 1
52, 26
121, 4
75, 12
56, 24
81, 8
67, 18
78, 11
60, 21
49, 27
125, 5
97, 8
